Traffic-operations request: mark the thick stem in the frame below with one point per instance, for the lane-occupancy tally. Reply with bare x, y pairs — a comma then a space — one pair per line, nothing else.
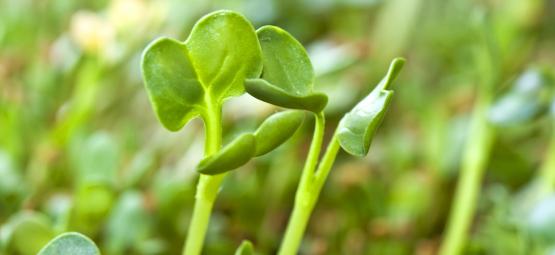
208, 186
309, 189
474, 162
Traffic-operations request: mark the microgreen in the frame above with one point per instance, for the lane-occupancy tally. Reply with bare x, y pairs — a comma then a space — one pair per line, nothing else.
193, 78
223, 57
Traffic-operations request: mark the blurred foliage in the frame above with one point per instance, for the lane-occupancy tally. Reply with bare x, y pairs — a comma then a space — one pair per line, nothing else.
81, 150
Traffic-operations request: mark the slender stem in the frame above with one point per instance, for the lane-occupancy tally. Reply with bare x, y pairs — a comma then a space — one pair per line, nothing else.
207, 187
472, 168
325, 166
303, 198
547, 174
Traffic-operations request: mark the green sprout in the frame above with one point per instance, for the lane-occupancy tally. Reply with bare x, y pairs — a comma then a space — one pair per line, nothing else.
224, 57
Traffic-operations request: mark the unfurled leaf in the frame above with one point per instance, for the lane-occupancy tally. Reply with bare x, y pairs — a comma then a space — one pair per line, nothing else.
233, 155
356, 129
71, 243
188, 79
276, 129
288, 76
246, 248
171, 82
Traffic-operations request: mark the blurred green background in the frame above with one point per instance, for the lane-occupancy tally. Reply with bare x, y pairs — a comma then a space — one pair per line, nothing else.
81, 149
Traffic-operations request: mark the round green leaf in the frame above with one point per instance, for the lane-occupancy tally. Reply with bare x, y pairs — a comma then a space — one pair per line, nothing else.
70, 244
287, 71
171, 82
183, 80
225, 51
246, 248
28, 232
233, 155
357, 128
276, 129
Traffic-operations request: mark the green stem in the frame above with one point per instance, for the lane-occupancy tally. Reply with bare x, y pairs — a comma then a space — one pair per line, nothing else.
208, 186
547, 175
472, 169
309, 189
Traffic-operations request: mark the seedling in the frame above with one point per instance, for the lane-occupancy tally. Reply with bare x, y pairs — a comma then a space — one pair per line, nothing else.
287, 81
193, 78
223, 57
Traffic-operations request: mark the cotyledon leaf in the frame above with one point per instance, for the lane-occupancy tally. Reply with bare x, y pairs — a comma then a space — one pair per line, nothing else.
357, 128
171, 82
70, 244
233, 155
246, 248
187, 79
276, 129
287, 72
273, 132
267, 92
225, 51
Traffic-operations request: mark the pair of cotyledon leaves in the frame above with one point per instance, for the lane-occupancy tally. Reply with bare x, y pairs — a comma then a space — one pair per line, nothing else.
223, 57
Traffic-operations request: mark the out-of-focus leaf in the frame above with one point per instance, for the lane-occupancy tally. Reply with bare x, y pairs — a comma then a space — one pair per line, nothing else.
356, 129
91, 205
276, 129
233, 155
246, 248
96, 158
523, 102
288, 76
184, 79
27, 232
71, 243
541, 220
127, 224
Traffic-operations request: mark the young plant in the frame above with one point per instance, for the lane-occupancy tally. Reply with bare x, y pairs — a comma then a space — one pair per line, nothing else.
287, 81
222, 57
193, 78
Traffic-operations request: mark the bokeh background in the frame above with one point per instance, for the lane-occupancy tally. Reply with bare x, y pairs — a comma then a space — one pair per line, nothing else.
81, 149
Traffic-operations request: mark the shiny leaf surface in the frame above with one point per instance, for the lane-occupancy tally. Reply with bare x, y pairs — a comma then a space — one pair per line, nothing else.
277, 129
184, 80
233, 155
287, 72
357, 128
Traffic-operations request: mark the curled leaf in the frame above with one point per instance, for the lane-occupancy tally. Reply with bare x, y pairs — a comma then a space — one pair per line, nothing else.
273, 132
70, 244
233, 155
267, 92
357, 128
288, 76
187, 79
246, 248
277, 129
